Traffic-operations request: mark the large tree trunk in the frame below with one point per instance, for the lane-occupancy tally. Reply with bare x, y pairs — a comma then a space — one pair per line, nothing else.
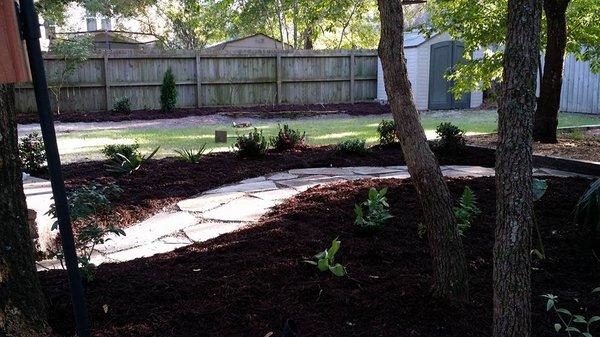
449, 267
21, 310
546, 114
514, 219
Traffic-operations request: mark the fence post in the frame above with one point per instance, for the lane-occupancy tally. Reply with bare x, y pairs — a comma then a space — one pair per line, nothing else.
198, 81
106, 82
352, 76
278, 70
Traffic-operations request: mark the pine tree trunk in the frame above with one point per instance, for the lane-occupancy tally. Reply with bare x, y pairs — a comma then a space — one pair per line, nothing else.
546, 115
514, 219
450, 271
21, 302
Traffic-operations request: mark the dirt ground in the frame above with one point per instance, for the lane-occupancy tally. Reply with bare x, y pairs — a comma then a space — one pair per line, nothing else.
248, 283
583, 145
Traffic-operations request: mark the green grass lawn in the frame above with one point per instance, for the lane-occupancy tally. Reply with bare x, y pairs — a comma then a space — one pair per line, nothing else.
77, 146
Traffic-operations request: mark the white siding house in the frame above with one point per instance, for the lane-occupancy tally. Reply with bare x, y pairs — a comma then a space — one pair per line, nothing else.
417, 49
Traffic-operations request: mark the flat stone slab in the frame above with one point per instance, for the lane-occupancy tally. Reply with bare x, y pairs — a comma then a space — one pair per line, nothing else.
279, 194
207, 202
302, 184
247, 187
244, 209
208, 230
370, 170
328, 171
252, 180
395, 175
282, 176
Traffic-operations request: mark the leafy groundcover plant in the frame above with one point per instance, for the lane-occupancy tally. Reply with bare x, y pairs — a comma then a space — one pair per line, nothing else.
569, 323
325, 260
377, 211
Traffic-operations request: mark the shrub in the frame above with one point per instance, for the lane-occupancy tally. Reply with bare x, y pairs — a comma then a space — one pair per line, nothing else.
191, 156
87, 200
252, 146
122, 106
129, 164
352, 146
587, 210
288, 139
451, 138
377, 210
326, 260
127, 150
466, 211
387, 132
569, 323
168, 92
32, 153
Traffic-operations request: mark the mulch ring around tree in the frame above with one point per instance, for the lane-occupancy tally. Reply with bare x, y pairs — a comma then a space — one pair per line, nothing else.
248, 283
161, 183
265, 111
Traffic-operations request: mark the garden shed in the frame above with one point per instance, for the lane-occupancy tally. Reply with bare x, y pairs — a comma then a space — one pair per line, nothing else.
427, 60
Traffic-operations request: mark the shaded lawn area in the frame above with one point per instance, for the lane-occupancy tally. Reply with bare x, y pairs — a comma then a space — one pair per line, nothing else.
86, 145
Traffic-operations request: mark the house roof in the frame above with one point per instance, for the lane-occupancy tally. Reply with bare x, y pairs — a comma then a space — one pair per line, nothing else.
414, 38
113, 35
224, 44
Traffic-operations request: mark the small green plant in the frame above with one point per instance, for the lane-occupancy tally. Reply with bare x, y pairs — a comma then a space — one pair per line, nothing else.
570, 324
127, 150
587, 210
377, 210
32, 153
352, 146
466, 211
288, 139
83, 203
451, 138
325, 260
168, 92
539, 188
122, 106
129, 164
191, 156
387, 132
421, 230
576, 134
254, 145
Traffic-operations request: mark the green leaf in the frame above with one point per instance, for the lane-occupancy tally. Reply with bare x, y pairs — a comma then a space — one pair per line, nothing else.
564, 311
587, 334
579, 319
594, 319
595, 290
323, 264
335, 246
572, 329
557, 327
338, 270
549, 304
539, 188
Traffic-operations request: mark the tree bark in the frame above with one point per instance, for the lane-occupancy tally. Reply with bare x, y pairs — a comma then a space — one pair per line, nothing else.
546, 114
514, 200
449, 266
22, 311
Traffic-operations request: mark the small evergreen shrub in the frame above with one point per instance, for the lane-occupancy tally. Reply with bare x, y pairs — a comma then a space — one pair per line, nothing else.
352, 146
254, 145
127, 150
168, 92
32, 153
122, 106
288, 139
387, 132
451, 138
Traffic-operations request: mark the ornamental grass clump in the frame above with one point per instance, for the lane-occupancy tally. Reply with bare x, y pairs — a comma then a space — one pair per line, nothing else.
288, 139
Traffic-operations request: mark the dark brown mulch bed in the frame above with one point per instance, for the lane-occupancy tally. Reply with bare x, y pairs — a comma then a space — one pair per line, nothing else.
291, 110
163, 182
249, 282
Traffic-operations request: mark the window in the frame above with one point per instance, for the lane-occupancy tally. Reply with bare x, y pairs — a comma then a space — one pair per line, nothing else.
106, 24
92, 23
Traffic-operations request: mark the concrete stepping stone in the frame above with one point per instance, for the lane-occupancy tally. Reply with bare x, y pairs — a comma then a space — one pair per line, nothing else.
282, 176
244, 209
370, 170
208, 230
328, 171
207, 202
276, 195
302, 184
246, 187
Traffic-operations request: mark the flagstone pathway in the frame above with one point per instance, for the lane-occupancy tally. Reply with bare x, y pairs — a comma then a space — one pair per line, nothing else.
231, 207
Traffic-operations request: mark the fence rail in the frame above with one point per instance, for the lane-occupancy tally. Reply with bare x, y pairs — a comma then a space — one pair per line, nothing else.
214, 79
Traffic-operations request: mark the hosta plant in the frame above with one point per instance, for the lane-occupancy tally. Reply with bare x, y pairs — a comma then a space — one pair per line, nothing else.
288, 139
130, 164
325, 260
569, 323
377, 210
191, 156
466, 210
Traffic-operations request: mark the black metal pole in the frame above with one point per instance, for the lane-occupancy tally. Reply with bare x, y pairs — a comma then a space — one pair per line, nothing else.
31, 34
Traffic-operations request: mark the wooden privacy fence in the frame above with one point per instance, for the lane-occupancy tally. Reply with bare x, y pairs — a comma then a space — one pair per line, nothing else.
214, 79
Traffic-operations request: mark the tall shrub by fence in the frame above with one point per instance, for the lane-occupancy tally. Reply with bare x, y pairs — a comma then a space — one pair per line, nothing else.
209, 79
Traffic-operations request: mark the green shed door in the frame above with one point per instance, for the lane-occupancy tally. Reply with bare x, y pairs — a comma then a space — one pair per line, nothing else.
444, 55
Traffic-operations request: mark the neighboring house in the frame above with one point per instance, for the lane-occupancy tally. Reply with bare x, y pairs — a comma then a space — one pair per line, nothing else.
106, 33
427, 60
256, 42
